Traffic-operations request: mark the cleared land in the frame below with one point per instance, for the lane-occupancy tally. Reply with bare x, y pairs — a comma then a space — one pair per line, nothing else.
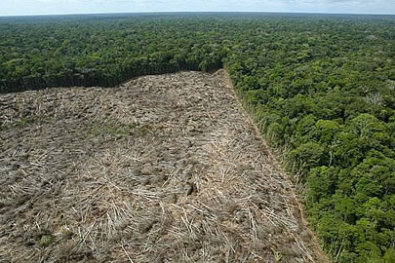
164, 168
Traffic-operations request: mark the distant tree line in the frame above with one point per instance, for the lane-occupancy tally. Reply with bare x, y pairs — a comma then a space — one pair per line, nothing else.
321, 88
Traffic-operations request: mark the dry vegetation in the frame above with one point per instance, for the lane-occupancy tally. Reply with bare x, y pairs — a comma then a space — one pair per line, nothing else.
162, 169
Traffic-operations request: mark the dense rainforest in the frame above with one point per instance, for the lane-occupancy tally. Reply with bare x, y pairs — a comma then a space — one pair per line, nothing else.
320, 87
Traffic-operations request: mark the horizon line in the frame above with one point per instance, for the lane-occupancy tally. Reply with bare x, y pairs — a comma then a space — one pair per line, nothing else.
192, 12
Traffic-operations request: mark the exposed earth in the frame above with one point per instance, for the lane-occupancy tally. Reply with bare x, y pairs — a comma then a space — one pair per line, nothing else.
165, 168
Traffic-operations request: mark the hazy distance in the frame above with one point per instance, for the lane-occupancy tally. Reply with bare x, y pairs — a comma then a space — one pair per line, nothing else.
51, 7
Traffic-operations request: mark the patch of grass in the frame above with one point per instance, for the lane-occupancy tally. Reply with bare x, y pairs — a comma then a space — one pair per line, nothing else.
46, 240
25, 121
111, 129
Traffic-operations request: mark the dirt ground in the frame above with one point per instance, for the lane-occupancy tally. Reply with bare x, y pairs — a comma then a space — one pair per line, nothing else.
164, 168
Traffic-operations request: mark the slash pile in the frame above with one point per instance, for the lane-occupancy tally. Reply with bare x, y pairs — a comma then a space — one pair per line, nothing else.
164, 168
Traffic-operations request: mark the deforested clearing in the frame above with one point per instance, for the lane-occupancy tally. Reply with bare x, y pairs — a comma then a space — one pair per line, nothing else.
165, 168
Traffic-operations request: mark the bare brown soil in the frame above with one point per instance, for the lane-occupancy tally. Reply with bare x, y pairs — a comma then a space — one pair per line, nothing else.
163, 169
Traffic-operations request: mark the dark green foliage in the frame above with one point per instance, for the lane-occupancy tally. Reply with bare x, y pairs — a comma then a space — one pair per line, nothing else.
321, 86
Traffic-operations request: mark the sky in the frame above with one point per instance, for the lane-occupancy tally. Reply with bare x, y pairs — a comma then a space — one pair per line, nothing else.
49, 7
